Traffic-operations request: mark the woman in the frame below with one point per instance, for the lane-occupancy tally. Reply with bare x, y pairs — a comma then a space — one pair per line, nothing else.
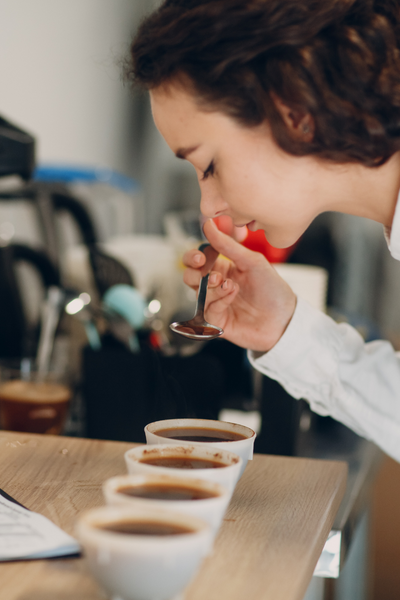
286, 109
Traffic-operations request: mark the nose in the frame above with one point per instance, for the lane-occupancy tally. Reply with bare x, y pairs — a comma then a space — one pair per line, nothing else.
211, 203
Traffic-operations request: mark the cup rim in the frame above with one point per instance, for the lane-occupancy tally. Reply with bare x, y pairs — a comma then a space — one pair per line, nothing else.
89, 523
198, 451
249, 433
11, 371
112, 484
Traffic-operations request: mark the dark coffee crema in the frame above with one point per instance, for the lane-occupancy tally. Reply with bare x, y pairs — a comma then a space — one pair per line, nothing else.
197, 330
200, 434
166, 492
182, 462
152, 528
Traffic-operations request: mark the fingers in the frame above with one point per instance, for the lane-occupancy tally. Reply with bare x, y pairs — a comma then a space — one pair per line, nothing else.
194, 259
240, 233
215, 279
243, 258
192, 278
226, 245
219, 299
225, 224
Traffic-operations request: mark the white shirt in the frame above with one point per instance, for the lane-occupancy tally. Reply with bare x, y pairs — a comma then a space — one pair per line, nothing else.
329, 365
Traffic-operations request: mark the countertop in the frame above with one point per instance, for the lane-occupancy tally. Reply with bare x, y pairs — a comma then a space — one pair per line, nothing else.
272, 536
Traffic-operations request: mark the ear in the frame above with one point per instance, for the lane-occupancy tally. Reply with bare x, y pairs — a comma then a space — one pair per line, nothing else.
300, 124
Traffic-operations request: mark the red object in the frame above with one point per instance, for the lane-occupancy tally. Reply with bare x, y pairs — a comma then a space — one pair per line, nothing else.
155, 340
255, 240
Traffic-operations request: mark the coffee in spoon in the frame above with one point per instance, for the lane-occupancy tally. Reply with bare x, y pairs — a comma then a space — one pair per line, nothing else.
198, 328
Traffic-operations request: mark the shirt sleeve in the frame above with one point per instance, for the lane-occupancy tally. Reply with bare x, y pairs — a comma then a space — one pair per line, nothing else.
329, 365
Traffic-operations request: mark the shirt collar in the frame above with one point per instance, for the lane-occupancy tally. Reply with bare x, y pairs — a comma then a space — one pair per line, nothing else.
392, 234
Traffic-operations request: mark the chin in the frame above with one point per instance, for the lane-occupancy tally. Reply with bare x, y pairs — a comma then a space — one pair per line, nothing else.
280, 242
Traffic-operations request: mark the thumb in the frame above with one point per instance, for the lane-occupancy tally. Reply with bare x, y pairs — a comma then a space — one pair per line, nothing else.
225, 224
226, 245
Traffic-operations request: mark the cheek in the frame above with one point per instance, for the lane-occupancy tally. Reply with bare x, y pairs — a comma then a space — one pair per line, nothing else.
235, 185
245, 195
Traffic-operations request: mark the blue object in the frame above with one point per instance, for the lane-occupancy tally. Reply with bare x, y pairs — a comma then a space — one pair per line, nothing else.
127, 302
66, 173
92, 335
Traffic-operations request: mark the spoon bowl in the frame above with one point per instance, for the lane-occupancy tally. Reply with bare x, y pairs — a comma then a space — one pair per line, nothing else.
196, 331
198, 328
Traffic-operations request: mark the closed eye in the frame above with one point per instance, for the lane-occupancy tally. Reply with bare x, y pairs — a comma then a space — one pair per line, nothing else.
209, 171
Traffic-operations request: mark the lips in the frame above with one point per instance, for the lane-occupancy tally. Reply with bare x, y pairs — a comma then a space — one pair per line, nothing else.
243, 224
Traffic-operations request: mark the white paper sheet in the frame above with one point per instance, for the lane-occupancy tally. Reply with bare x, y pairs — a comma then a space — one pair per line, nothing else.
26, 534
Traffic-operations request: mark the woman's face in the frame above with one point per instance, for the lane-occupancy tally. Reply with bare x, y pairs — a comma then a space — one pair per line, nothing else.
242, 172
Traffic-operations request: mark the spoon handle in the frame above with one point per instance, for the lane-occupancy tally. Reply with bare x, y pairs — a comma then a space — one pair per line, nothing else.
201, 299
211, 257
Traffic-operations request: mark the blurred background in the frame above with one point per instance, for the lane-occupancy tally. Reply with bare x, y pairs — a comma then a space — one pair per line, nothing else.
91, 199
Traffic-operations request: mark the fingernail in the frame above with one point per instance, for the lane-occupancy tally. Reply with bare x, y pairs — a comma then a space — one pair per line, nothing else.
213, 278
213, 224
197, 258
224, 286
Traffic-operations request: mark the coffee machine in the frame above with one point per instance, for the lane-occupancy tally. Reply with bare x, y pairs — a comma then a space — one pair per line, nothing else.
17, 151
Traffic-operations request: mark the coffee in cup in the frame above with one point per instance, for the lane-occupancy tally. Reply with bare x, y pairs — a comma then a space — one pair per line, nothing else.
143, 552
201, 498
194, 462
218, 434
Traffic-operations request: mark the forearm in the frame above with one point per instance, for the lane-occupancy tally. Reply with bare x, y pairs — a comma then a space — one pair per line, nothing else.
330, 366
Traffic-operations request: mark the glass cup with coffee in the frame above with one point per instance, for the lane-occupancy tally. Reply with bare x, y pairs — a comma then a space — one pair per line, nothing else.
143, 552
200, 498
231, 437
193, 462
33, 402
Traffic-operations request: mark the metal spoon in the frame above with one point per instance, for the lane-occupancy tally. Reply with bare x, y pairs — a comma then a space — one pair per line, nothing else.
50, 317
198, 328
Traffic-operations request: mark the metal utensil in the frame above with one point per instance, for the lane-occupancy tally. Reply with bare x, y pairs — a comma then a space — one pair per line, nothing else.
49, 320
79, 306
198, 328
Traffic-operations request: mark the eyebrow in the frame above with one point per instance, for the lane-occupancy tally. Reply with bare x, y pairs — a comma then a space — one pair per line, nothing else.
184, 152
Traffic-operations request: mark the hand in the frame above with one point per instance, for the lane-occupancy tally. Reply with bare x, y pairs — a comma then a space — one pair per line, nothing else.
246, 297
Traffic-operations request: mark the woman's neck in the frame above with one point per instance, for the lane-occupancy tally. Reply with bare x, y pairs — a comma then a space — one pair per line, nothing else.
373, 191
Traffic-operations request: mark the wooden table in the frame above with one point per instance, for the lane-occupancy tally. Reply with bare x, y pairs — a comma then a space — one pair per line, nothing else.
274, 531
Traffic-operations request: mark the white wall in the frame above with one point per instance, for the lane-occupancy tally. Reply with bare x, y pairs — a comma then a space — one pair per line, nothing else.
60, 77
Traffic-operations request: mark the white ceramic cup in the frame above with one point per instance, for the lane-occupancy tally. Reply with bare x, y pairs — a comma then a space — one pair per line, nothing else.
227, 475
211, 509
142, 567
242, 447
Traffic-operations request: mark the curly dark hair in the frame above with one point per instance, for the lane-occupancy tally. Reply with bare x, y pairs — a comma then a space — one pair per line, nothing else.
336, 60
